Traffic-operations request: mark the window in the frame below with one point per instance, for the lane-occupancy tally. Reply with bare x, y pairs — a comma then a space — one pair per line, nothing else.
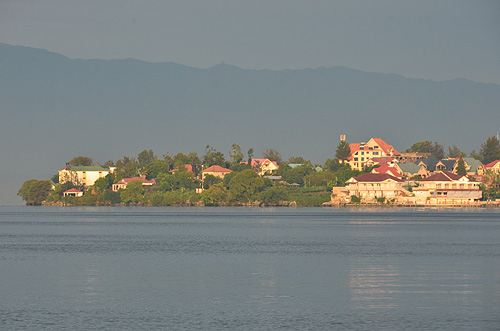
362, 159
362, 153
375, 153
375, 146
355, 159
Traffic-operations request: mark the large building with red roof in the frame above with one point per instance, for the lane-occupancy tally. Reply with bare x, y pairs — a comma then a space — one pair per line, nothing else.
361, 153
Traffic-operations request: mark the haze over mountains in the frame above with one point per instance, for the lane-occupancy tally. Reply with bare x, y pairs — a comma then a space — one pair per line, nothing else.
54, 108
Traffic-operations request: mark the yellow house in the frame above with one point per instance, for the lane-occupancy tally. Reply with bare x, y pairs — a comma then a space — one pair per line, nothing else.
216, 171
82, 175
361, 153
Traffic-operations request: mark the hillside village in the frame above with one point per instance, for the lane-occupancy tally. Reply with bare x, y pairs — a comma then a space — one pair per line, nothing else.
364, 173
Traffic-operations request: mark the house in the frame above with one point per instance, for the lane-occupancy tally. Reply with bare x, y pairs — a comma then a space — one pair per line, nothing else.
216, 171
122, 184
382, 161
263, 166
446, 187
473, 166
411, 169
82, 175
371, 186
361, 153
429, 163
73, 193
493, 167
386, 169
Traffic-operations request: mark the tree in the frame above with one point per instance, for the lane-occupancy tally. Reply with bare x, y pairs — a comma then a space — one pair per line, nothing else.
296, 160
81, 161
273, 195
146, 157
244, 185
235, 155
427, 146
272, 155
490, 150
250, 155
133, 193
126, 168
475, 155
213, 157
155, 168
214, 196
332, 165
461, 167
211, 180
343, 151
34, 192
454, 152
101, 184
195, 161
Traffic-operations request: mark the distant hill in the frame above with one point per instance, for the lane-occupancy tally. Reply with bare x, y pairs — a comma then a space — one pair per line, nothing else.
54, 108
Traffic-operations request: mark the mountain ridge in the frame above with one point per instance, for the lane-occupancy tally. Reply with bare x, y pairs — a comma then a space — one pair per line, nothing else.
54, 108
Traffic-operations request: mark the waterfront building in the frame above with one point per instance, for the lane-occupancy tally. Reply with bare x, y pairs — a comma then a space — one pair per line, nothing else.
361, 153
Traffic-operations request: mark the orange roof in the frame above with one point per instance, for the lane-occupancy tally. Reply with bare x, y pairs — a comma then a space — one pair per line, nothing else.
385, 169
128, 180
385, 146
216, 168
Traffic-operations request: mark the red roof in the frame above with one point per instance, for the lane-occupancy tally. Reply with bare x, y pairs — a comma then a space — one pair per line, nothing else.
491, 164
371, 177
385, 169
216, 168
442, 176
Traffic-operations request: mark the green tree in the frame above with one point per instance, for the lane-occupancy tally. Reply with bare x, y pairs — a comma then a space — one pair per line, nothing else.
211, 180
461, 167
272, 155
244, 185
332, 165
343, 151
427, 146
156, 167
235, 155
273, 195
214, 196
213, 157
454, 152
34, 192
490, 150
101, 184
126, 167
145, 157
195, 161
111, 197
133, 193
81, 161
297, 160
475, 155
55, 179
250, 155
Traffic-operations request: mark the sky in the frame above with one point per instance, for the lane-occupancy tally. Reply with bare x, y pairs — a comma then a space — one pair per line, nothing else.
431, 39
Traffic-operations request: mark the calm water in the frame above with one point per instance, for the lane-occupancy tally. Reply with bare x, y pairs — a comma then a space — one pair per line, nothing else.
249, 269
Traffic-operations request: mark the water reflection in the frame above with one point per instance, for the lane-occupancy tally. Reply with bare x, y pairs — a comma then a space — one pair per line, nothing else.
373, 286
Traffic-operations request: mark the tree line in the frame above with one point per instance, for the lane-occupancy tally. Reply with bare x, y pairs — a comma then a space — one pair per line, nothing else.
299, 177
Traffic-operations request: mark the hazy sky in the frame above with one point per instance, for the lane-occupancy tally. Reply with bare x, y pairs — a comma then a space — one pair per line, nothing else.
422, 39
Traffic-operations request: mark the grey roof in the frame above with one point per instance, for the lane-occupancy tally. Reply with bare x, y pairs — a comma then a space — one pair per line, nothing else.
409, 167
430, 163
449, 164
473, 163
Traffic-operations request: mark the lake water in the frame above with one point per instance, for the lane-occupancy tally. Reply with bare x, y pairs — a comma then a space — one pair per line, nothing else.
92, 268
